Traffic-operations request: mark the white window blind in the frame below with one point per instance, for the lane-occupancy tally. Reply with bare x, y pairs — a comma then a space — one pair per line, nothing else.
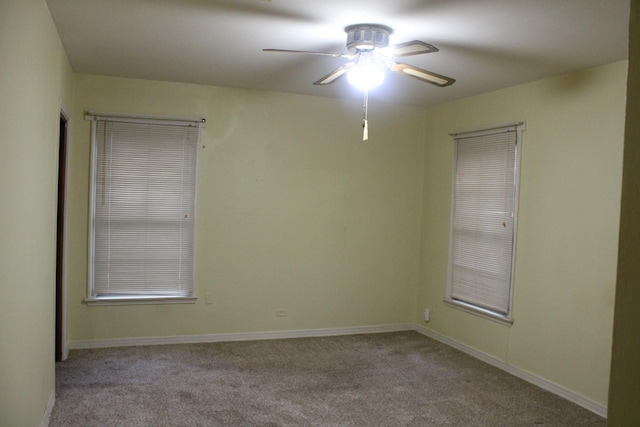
483, 219
143, 214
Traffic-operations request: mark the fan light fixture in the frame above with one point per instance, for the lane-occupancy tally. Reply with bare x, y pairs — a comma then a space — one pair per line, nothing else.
366, 74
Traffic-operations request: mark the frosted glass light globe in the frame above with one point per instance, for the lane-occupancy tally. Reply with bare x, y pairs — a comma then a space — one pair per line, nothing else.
365, 76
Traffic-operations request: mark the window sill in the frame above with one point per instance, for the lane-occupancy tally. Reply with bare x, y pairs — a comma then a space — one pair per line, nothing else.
486, 314
139, 300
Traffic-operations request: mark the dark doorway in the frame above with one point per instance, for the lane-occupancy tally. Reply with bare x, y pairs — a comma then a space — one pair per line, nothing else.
62, 173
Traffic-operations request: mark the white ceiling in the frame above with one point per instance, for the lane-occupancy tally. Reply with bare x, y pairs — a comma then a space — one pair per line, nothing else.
484, 44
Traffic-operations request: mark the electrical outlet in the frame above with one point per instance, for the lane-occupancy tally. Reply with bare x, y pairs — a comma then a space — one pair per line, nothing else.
208, 297
281, 312
427, 314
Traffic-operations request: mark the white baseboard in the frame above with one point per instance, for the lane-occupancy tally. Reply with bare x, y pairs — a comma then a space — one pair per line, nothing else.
242, 336
534, 379
47, 412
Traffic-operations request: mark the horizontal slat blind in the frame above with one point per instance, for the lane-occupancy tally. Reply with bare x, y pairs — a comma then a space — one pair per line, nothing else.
145, 180
483, 220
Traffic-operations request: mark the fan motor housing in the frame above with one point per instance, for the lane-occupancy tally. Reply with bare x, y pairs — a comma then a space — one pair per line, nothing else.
367, 37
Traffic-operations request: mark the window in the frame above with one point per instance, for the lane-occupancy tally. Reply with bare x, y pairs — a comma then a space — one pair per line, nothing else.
483, 220
142, 209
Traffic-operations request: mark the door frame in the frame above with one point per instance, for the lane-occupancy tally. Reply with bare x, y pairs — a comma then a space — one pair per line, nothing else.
60, 334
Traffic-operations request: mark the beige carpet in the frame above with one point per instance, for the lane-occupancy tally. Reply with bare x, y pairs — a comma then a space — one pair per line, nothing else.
391, 379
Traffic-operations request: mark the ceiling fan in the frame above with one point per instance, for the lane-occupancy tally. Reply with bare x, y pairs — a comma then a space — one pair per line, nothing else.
368, 45
370, 55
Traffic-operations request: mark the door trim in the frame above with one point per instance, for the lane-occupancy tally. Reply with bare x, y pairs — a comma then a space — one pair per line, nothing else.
60, 335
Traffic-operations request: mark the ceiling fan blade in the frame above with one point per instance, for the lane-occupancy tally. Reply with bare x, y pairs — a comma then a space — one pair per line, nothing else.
414, 47
335, 74
420, 74
334, 55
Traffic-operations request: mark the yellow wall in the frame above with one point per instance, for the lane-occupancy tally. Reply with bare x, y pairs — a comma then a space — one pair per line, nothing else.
294, 212
567, 226
625, 370
34, 76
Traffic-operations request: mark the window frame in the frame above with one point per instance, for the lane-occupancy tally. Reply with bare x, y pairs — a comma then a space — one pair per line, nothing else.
506, 318
91, 297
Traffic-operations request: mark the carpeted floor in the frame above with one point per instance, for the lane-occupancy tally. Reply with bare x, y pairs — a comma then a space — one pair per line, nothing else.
391, 379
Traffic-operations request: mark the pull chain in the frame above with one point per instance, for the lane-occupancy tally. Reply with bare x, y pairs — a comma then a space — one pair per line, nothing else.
365, 121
